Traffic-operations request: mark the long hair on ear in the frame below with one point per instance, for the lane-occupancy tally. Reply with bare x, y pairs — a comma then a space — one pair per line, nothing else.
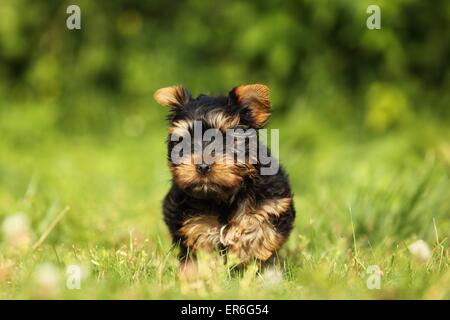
254, 100
174, 96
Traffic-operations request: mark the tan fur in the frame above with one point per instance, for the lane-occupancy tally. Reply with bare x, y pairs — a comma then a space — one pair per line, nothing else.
225, 175
201, 232
185, 174
222, 121
275, 207
256, 98
180, 128
222, 173
174, 96
250, 233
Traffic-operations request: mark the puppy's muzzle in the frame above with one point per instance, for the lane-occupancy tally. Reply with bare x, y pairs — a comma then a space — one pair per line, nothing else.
203, 169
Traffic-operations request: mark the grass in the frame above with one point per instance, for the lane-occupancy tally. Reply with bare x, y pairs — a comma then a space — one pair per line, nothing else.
362, 199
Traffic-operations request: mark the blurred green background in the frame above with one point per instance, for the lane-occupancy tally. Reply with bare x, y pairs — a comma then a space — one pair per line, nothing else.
364, 118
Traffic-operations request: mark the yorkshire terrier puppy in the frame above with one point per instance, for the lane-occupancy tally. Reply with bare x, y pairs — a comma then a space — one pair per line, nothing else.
225, 205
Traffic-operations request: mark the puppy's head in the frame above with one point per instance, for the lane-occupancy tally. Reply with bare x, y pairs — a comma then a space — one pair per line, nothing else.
202, 132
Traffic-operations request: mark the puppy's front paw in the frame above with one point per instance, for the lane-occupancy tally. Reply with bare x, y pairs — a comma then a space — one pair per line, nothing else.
227, 236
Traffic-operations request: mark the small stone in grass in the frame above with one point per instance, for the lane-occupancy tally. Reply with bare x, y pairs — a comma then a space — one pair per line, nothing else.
420, 250
272, 277
16, 231
46, 280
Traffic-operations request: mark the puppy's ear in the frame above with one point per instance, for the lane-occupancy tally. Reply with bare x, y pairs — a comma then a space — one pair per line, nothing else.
175, 96
254, 100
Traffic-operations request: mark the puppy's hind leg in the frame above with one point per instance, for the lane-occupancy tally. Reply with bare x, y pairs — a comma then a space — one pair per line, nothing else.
188, 265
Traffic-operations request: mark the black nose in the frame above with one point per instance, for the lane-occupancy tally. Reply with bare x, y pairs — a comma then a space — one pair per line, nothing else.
203, 168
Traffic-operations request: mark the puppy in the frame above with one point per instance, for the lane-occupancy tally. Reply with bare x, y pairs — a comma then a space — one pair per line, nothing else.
225, 205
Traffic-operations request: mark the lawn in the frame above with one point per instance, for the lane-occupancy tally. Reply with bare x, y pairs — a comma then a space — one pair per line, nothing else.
364, 194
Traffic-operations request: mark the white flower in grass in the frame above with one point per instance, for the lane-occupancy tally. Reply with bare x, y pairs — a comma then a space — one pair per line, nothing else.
46, 280
420, 250
16, 230
272, 277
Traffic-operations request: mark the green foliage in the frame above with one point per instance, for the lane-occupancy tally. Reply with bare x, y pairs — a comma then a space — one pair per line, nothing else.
320, 51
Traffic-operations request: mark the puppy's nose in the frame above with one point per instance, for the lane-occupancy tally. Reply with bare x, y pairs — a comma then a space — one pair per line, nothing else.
203, 168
